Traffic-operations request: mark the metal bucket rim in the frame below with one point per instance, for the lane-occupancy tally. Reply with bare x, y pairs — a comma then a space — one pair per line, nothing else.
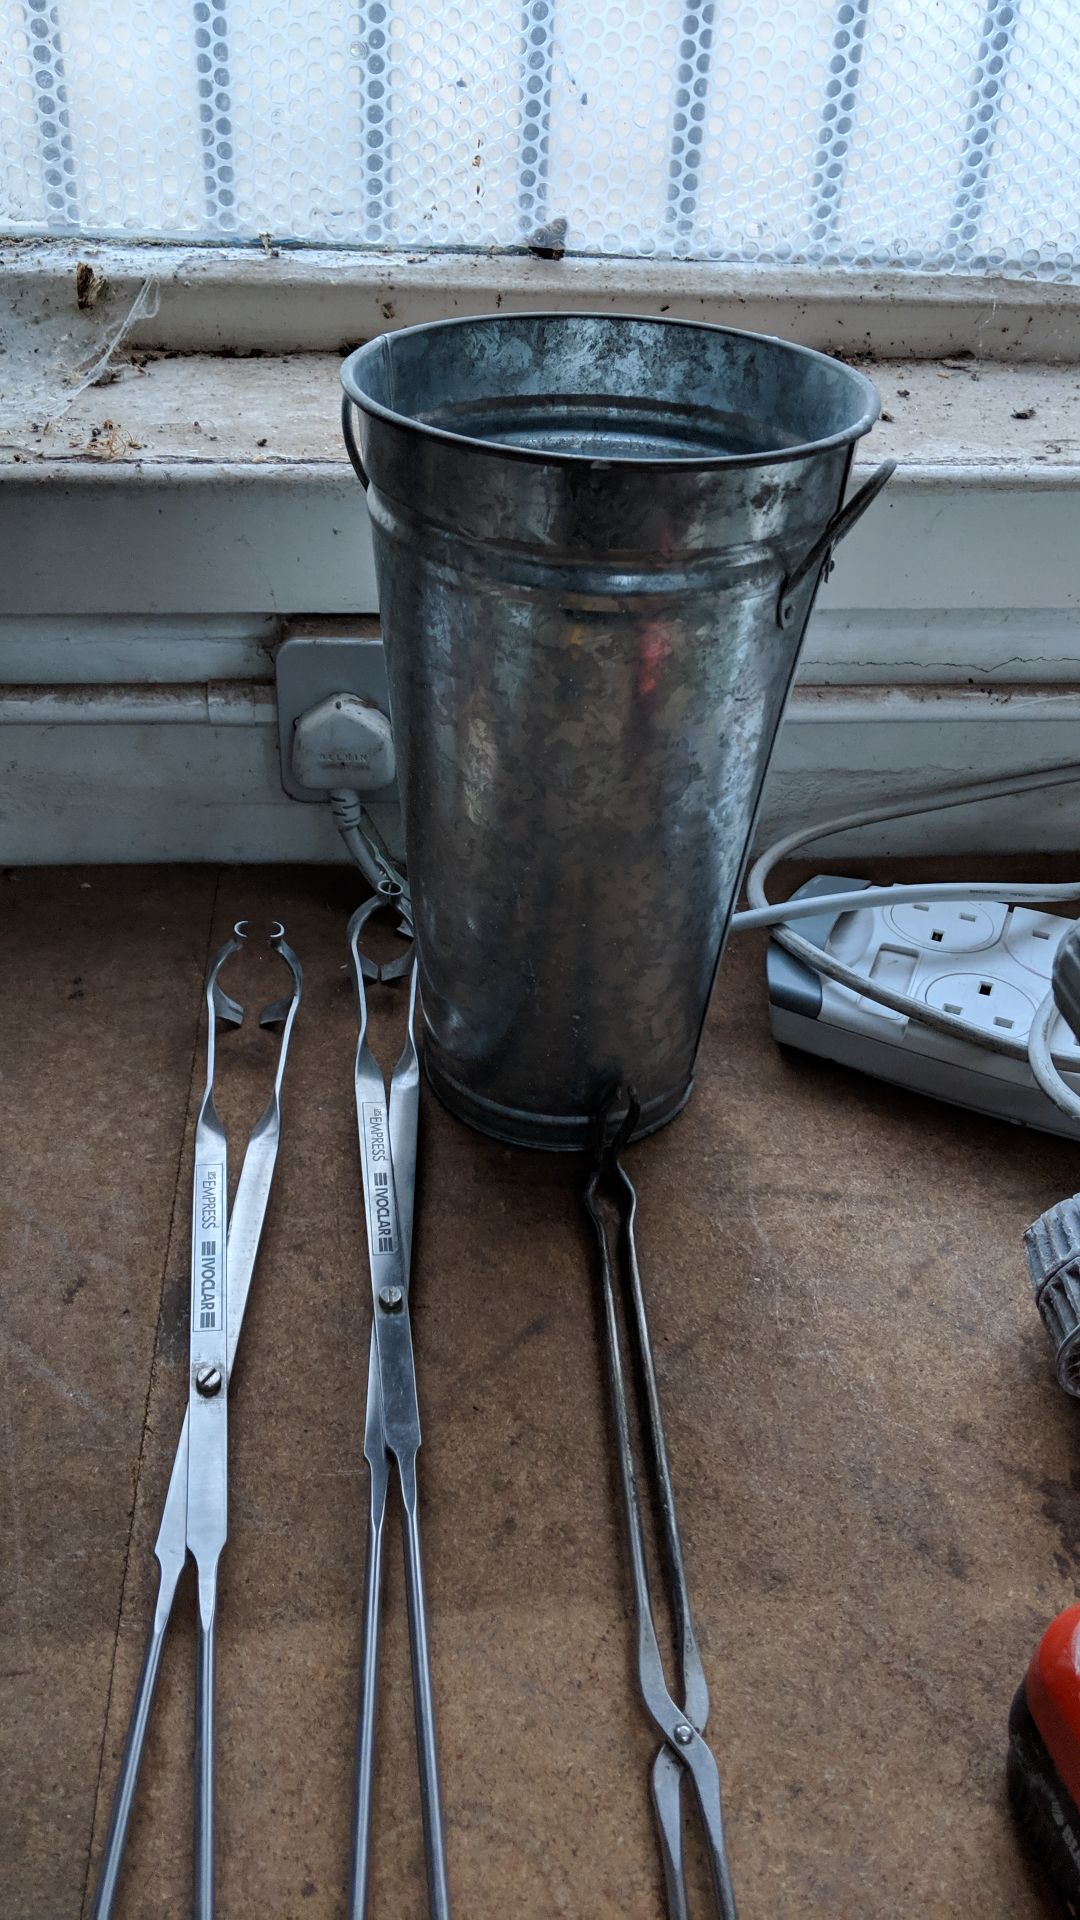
538, 456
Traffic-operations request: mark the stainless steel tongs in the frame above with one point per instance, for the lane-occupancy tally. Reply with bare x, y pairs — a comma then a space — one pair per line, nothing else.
194, 1520
684, 1753
387, 1131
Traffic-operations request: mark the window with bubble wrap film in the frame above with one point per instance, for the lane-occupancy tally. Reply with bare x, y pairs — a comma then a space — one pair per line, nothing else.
935, 135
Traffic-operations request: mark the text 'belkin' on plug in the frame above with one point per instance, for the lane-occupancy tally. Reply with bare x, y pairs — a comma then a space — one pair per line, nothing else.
344, 741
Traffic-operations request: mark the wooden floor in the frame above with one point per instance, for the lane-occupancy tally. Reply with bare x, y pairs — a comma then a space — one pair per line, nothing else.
879, 1481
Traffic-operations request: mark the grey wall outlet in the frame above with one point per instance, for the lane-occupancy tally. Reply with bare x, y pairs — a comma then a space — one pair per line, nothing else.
318, 660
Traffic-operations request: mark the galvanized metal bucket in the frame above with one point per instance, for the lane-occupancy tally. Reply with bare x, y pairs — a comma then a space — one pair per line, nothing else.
597, 541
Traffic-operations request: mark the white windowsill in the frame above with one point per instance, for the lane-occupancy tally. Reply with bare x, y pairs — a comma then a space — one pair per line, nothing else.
947, 417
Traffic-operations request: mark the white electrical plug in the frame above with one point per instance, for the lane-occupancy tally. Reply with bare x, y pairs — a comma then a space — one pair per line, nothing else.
343, 742
983, 960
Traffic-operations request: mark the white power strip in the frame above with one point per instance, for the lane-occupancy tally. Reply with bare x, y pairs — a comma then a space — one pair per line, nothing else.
982, 959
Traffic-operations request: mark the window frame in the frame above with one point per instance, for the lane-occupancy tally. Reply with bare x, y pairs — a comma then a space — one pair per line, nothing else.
275, 300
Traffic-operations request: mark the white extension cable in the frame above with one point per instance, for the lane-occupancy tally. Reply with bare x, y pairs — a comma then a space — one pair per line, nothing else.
763, 913
347, 809
365, 844
1041, 1060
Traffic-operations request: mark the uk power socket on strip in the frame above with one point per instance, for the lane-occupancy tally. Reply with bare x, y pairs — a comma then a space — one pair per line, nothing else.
989, 962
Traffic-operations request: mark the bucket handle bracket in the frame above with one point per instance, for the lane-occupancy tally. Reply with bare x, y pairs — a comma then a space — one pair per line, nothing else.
819, 558
349, 435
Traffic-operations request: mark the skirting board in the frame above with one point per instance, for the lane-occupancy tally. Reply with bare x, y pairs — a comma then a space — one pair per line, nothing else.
112, 774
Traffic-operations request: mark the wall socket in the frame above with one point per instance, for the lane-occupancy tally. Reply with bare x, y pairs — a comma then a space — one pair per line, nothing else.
319, 659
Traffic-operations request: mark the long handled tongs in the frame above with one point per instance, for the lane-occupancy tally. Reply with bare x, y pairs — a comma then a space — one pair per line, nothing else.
684, 1752
387, 1132
194, 1521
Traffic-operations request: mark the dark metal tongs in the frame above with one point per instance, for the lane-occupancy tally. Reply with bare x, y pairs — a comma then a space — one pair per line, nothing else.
684, 1753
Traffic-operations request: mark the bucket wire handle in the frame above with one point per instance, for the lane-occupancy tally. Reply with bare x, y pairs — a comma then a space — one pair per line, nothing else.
349, 433
821, 552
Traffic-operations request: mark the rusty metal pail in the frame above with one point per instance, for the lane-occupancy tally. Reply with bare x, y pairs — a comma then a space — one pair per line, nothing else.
597, 540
